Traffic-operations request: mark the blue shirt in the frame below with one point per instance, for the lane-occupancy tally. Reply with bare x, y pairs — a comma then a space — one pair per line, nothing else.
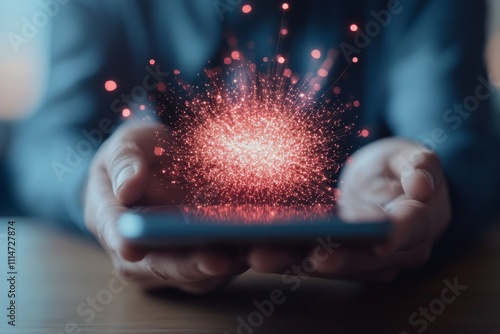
419, 61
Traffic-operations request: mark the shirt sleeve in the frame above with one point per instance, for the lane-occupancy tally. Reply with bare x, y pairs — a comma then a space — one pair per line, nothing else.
50, 151
437, 93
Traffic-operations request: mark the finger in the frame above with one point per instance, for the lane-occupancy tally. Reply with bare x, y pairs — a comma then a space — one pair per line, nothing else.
102, 212
420, 172
186, 266
127, 160
274, 259
411, 223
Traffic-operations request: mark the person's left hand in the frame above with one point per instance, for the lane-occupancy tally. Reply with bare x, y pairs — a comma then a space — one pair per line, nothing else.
405, 179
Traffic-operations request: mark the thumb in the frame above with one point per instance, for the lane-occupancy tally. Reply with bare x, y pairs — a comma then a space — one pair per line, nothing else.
127, 170
421, 174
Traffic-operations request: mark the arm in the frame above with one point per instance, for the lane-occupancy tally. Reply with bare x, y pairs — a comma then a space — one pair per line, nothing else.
438, 90
50, 153
428, 59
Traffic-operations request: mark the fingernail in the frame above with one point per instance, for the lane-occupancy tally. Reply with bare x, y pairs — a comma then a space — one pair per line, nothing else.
407, 171
123, 176
429, 177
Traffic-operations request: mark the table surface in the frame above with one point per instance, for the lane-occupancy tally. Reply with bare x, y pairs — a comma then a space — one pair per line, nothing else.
58, 272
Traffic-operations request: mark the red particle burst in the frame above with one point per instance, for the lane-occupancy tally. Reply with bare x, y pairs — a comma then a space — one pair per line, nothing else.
254, 139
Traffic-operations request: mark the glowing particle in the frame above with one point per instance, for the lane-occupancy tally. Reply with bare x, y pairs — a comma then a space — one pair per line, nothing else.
246, 9
227, 61
152, 62
337, 90
142, 107
354, 27
287, 73
284, 31
158, 151
365, 133
265, 59
281, 59
317, 87
110, 85
355, 59
356, 103
285, 6
177, 72
161, 86
235, 55
316, 54
322, 73
126, 112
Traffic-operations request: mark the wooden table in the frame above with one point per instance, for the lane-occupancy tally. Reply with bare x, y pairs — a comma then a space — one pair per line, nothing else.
57, 272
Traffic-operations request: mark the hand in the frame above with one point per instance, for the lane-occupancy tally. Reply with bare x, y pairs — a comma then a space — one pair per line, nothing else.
408, 182
121, 175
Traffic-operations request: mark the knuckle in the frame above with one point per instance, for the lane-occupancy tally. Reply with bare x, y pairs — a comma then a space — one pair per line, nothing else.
153, 265
124, 272
184, 275
121, 154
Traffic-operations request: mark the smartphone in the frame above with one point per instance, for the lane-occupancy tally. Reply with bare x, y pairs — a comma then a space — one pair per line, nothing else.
177, 226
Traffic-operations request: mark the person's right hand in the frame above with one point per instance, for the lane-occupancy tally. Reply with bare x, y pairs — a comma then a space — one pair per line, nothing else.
124, 174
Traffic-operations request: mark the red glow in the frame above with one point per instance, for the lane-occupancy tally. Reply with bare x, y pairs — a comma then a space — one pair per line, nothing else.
353, 27
227, 61
126, 112
337, 90
161, 87
246, 9
158, 151
177, 72
235, 55
284, 32
285, 6
253, 215
142, 107
356, 103
355, 59
365, 133
281, 59
316, 54
152, 62
322, 73
110, 85
243, 141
